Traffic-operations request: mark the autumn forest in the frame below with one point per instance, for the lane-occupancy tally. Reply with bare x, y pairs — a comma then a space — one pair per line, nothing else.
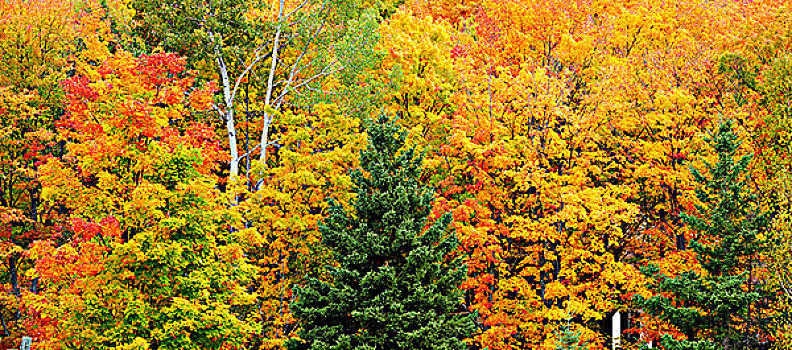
396, 174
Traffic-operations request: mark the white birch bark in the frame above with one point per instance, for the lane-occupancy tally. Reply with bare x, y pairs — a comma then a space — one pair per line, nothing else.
270, 86
228, 112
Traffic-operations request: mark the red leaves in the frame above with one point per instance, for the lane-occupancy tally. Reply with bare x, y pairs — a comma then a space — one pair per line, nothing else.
77, 88
64, 264
80, 94
135, 102
459, 51
108, 228
85, 230
201, 99
160, 68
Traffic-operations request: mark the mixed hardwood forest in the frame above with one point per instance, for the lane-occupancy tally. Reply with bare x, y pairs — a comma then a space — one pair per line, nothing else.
391, 174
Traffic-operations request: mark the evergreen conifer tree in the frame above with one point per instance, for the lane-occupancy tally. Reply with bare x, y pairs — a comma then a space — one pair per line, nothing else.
393, 287
717, 310
567, 339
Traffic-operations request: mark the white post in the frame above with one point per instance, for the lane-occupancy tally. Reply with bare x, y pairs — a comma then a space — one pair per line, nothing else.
26, 341
616, 330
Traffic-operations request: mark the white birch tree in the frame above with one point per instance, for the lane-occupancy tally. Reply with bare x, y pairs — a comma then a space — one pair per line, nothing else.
289, 48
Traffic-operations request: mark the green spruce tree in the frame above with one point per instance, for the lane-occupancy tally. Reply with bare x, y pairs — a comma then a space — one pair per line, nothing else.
719, 309
393, 287
567, 339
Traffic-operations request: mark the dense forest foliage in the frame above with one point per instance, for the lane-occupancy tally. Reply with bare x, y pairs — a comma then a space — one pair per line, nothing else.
391, 174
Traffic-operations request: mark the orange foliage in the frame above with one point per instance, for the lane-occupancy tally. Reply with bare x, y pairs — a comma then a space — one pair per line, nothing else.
564, 146
149, 236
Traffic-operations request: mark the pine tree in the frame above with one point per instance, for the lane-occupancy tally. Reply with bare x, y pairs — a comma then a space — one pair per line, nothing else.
718, 309
569, 339
393, 287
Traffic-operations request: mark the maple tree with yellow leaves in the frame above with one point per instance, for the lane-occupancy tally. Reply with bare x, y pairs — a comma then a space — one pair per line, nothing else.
165, 166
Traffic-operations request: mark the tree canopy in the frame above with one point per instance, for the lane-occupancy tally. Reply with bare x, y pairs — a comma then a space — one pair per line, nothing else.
382, 174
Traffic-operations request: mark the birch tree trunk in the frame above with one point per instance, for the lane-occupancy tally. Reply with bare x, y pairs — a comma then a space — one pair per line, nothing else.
228, 114
270, 87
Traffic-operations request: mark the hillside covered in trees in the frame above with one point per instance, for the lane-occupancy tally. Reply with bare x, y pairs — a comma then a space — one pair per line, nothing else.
407, 174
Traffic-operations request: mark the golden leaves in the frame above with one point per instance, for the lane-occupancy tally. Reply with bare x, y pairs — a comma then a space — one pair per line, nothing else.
566, 148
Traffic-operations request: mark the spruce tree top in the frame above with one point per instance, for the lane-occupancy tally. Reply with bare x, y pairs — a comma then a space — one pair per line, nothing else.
732, 217
394, 287
391, 206
716, 309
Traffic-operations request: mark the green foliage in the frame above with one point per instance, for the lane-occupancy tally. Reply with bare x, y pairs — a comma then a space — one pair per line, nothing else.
317, 39
735, 219
353, 49
701, 308
670, 343
775, 96
178, 285
175, 167
739, 72
569, 340
778, 87
193, 27
392, 288
716, 309
156, 258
